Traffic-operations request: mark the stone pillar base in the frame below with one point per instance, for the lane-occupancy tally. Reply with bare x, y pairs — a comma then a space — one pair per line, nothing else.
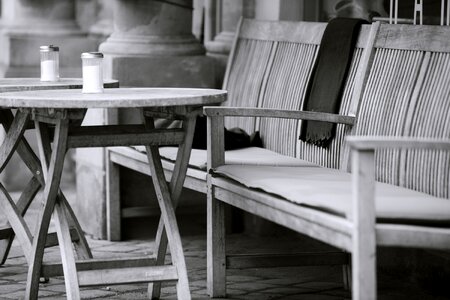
163, 71
20, 55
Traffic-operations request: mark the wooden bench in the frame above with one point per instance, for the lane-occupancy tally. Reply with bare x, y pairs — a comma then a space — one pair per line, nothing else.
400, 146
269, 66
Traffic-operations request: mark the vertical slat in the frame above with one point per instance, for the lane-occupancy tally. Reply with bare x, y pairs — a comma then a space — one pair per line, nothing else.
384, 104
286, 87
231, 56
246, 77
362, 76
428, 116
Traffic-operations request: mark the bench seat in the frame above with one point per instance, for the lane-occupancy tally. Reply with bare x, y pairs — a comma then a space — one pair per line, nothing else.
330, 190
245, 156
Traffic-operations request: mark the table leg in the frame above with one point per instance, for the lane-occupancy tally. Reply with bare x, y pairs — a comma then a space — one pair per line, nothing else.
15, 126
22, 204
16, 220
165, 201
13, 137
176, 186
52, 162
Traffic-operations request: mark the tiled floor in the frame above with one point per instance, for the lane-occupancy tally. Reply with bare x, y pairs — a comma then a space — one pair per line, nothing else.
274, 283
281, 283
323, 282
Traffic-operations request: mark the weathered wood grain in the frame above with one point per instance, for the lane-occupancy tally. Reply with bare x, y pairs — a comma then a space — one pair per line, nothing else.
113, 98
279, 113
25, 84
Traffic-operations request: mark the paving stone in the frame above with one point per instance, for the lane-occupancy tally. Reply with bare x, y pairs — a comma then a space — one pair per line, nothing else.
274, 283
9, 287
17, 277
241, 278
9, 269
21, 294
96, 293
236, 292
253, 286
130, 295
311, 297
198, 283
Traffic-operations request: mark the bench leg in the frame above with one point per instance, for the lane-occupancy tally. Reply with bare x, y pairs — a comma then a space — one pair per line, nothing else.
347, 277
113, 207
364, 285
215, 247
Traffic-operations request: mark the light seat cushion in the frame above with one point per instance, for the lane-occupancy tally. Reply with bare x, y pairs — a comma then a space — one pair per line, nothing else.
247, 156
330, 190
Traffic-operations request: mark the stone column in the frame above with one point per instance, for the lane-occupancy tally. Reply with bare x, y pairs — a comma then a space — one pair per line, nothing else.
221, 19
28, 24
152, 45
104, 26
96, 18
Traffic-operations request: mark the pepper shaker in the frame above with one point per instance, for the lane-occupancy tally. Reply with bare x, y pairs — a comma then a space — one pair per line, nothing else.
92, 72
49, 63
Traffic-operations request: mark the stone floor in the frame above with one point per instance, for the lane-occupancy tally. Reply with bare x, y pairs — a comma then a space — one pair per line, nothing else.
274, 283
323, 282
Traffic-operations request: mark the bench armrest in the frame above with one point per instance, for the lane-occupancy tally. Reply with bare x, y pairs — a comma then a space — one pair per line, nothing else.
363, 173
216, 114
381, 142
213, 111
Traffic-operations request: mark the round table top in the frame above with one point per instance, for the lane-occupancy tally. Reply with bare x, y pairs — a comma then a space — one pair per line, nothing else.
112, 98
29, 84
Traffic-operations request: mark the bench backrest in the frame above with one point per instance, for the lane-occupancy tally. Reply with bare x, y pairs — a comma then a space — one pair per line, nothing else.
270, 66
407, 93
398, 85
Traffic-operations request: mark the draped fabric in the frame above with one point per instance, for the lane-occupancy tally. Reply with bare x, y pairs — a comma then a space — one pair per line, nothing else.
327, 81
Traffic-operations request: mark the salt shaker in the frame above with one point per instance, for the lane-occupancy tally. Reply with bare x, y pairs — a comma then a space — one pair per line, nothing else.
49, 63
92, 72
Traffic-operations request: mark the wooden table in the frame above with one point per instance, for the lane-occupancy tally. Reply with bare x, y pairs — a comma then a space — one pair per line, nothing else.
58, 114
16, 141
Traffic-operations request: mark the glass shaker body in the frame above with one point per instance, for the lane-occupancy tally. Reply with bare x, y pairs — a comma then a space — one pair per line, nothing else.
92, 72
49, 63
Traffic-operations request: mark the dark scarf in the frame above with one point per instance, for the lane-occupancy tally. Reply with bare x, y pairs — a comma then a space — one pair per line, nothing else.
326, 85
